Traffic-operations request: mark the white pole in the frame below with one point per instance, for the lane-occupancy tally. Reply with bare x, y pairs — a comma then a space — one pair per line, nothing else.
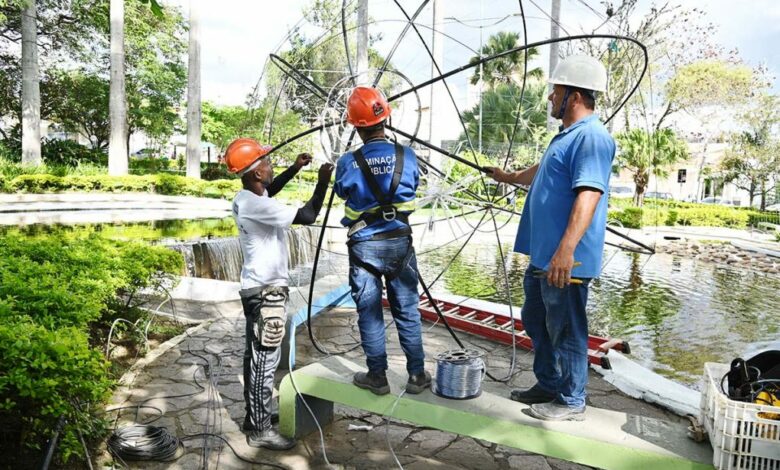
31, 91
117, 104
555, 14
193, 94
362, 43
437, 46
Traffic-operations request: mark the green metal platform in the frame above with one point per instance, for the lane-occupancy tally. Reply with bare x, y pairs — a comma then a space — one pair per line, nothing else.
606, 439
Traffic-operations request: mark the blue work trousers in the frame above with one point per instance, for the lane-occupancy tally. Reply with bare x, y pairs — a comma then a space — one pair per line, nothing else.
393, 260
556, 321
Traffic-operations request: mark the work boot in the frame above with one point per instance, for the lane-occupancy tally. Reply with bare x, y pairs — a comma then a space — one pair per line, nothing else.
269, 439
377, 383
535, 394
554, 411
418, 382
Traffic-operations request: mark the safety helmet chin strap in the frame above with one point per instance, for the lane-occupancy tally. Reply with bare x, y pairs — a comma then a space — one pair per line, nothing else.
565, 100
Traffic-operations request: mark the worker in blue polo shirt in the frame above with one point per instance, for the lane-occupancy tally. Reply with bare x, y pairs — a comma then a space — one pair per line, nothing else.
562, 229
378, 182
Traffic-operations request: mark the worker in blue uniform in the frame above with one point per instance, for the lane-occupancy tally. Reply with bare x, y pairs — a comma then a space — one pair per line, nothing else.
564, 219
378, 182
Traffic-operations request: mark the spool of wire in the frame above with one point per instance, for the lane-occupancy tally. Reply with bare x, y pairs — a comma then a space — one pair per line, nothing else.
459, 374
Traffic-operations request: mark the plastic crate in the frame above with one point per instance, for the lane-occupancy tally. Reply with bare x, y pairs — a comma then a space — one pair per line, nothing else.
741, 439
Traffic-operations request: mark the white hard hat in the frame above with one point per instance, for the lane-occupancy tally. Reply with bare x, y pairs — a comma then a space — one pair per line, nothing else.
581, 71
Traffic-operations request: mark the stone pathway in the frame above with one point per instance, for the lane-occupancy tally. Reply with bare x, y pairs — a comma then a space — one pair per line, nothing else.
177, 368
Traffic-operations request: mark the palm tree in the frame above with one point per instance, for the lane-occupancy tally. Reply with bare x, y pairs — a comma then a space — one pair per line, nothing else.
31, 91
644, 153
506, 68
117, 104
193, 95
499, 111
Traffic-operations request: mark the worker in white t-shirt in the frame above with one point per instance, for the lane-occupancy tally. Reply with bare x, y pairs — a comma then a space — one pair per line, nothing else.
262, 224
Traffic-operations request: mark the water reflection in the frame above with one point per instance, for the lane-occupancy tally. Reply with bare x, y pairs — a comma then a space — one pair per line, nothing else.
677, 313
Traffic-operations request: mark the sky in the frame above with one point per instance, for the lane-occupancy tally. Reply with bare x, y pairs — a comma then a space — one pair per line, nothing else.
238, 35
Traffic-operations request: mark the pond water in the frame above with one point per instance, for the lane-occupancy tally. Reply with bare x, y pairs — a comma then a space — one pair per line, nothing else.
676, 313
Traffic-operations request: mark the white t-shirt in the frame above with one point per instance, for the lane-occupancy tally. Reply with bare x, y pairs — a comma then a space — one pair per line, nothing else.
262, 232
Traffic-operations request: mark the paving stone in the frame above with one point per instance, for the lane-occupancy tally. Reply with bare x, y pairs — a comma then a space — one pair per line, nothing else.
468, 453
511, 450
558, 464
528, 462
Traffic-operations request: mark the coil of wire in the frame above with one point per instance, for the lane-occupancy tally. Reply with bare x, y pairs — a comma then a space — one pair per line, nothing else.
459, 374
144, 442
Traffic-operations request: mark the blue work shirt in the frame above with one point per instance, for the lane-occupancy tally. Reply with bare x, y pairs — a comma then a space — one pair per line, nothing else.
579, 156
351, 185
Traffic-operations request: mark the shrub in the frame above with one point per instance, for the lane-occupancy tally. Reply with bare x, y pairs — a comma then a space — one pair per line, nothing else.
54, 287
712, 216
45, 374
755, 217
172, 185
671, 219
630, 217
70, 153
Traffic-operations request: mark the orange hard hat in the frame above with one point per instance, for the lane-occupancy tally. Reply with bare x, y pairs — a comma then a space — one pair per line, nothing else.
241, 154
367, 107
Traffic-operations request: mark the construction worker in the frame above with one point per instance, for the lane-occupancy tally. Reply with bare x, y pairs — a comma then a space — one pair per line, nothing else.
564, 219
262, 223
378, 182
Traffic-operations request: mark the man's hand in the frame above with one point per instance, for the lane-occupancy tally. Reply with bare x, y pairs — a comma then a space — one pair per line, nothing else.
324, 173
561, 264
302, 160
498, 174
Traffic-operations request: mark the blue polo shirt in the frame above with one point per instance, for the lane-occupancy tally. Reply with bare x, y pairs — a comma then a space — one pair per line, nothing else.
579, 156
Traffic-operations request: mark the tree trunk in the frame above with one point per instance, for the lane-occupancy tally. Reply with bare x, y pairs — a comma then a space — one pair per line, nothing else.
31, 91
193, 94
763, 195
640, 180
117, 104
752, 192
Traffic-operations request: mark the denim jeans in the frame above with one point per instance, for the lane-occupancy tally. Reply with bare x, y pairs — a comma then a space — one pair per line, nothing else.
386, 257
555, 320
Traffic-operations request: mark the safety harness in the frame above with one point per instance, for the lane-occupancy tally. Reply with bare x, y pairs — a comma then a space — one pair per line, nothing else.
386, 212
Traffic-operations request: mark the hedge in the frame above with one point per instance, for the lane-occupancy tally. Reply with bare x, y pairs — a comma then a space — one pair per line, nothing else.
167, 184
54, 290
696, 215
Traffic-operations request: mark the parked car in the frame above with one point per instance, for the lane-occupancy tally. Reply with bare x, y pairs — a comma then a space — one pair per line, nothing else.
621, 192
773, 207
658, 195
718, 200
144, 153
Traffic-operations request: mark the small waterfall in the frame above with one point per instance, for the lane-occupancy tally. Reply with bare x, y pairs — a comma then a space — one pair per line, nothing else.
221, 258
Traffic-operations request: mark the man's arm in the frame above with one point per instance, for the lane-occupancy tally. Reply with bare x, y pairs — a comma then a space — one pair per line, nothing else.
307, 214
288, 174
524, 177
559, 272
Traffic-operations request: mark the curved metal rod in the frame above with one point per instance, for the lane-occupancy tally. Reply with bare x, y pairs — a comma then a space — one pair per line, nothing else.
522, 88
449, 92
346, 41
398, 42
538, 44
301, 134
275, 107
303, 80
